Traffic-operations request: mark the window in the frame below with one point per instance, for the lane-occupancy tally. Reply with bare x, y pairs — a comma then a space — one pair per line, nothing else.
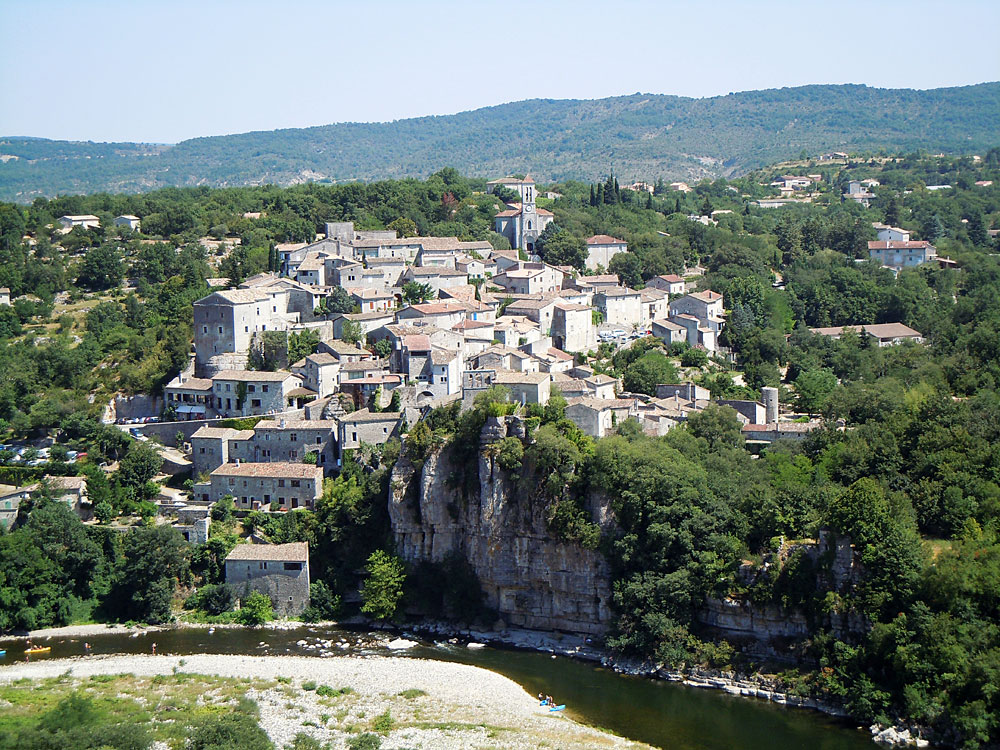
228, 388
251, 388
281, 501
267, 498
220, 329
204, 329
293, 437
319, 440
281, 482
255, 402
246, 329
264, 388
232, 482
296, 483
201, 450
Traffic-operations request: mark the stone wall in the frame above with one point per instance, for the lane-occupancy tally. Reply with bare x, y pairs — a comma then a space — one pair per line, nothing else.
532, 579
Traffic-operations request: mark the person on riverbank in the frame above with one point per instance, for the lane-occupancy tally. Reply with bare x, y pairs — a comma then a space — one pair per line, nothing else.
154, 648
86, 648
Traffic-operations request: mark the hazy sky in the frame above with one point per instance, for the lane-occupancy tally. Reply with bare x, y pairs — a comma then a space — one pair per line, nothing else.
165, 71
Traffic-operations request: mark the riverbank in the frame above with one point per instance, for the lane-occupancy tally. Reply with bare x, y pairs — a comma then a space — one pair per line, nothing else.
432, 704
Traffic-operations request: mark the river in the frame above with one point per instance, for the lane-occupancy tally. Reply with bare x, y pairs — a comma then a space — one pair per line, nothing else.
662, 714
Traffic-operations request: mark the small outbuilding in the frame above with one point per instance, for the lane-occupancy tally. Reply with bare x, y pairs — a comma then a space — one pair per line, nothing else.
279, 571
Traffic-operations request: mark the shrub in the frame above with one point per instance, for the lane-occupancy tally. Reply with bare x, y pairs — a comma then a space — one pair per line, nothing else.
309, 685
366, 741
230, 731
383, 722
256, 609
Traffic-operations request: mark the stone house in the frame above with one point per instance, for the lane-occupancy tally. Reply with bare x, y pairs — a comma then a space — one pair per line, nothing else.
291, 439
539, 310
655, 304
516, 330
440, 314
247, 393
526, 387
372, 300
279, 571
437, 277
599, 417
601, 248
255, 486
499, 357
312, 270
478, 335
321, 373
226, 322
696, 333
210, 447
705, 306
4, 296
529, 278
685, 391
668, 331
619, 306
343, 351
364, 426
368, 321
189, 397
670, 283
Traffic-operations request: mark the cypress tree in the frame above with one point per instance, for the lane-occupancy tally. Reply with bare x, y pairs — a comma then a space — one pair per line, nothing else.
677, 205
593, 196
649, 200
600, 194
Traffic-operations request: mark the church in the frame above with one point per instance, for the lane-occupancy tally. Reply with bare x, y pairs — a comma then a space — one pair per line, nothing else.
521, 223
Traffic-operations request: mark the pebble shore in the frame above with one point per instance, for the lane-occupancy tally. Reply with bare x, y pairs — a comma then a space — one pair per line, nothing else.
462, 706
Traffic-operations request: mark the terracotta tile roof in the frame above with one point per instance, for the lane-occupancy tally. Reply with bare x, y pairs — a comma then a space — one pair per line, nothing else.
274, 469
294, 552
707, 296
604, 239
898, 245
254, 375
671, 278
364, 415
417, 342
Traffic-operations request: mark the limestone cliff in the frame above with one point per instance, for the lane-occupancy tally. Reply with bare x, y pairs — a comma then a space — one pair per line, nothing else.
532, 579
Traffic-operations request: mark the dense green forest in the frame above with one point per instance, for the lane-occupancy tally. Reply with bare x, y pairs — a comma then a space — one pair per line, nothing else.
913, 479
642, 135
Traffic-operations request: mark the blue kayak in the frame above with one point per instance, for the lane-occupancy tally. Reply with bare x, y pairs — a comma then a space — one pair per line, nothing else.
553, 709
2, 654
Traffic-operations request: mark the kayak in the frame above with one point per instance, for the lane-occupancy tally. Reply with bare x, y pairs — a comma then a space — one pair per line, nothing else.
553, 709
2, 654
38, 650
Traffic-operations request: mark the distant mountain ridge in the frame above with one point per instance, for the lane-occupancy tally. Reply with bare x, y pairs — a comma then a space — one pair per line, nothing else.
640, 136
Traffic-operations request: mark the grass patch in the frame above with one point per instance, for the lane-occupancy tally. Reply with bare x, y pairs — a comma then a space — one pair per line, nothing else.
411, 693
383, 722
309, 685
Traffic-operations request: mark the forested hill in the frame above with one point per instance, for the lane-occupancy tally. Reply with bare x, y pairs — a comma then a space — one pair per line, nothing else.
642, 136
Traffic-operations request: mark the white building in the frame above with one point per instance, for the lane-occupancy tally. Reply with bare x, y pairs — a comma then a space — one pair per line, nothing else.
128, 221
601, 248
898, 255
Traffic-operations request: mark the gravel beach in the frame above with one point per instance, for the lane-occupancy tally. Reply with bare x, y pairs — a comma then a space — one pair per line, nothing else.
457, 706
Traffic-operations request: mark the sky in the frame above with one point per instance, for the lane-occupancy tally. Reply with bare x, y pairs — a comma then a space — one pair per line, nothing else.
162, 72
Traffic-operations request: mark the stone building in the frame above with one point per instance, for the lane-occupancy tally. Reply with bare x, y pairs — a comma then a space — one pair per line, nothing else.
291, 439
226, 322
255, 486
619, 306
573, 328
279, 571
246, 393
364, 426
522, 223
210, 447
601, 248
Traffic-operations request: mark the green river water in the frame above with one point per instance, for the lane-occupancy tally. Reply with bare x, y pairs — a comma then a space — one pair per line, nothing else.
662, 714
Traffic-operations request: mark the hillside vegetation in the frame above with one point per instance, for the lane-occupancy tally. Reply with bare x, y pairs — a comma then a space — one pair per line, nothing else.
642, 136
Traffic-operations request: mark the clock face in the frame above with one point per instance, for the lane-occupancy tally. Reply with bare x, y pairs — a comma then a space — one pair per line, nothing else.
528, 208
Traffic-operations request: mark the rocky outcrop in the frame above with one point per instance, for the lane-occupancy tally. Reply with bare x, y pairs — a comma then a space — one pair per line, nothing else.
530, 578
762, 622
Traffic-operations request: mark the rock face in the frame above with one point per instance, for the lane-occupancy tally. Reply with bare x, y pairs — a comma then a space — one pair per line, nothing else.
532, 579
761, 621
